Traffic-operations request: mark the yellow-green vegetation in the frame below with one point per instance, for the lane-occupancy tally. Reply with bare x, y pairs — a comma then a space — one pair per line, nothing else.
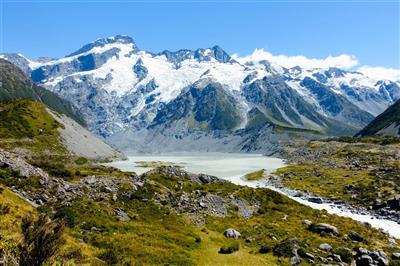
158, 234
11, 219
355, 172
26, 124
255, 175
161, 229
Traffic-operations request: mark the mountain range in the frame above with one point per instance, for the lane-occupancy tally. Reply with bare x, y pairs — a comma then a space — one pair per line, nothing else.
205, 99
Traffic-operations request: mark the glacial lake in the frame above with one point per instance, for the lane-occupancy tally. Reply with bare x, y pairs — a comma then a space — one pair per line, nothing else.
233, 167
224, 165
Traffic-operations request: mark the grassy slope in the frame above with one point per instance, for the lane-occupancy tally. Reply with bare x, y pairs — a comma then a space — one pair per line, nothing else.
157, 235
15, 85
388, 117
330, 174
26, 124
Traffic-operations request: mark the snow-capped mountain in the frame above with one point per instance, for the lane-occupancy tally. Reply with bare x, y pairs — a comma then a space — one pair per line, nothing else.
123, 90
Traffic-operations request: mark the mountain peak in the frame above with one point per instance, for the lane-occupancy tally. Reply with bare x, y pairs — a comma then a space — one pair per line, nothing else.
117, 39
215, 52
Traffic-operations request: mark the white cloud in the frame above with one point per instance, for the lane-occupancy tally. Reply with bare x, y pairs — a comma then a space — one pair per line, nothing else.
343, 61
380, 72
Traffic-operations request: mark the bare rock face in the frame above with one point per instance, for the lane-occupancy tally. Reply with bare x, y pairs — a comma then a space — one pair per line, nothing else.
20, 166
214, 204
244, 209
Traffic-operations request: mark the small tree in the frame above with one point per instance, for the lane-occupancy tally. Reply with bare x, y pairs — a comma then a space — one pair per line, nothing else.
41, 239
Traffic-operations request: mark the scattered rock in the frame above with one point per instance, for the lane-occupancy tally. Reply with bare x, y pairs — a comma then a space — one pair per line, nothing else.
394, 203
231, 233
244, 208
287, 248
295, 260
122, 215
324, 228
309, 256
20, 166
336, 257
325, 247
364, 260
396, 256
307, 222
379, 257
354, 236
315, 200
367, 258
249, 239
214, 204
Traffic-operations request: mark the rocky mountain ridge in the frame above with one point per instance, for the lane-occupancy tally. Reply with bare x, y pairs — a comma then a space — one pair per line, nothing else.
125, 91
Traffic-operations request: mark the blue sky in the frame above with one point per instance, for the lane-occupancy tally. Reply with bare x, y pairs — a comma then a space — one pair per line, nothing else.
369, 31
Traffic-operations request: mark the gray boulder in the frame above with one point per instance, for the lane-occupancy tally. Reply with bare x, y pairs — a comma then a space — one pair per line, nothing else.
356, 237
232, 233
295, 260
324, 228
325, 247
396, 256
364, 260
315, 200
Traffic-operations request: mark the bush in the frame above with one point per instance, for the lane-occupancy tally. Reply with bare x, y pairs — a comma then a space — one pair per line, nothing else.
41, 239
286, 247
4, 209
229, 249
111, 256
265, 249
345, 254
81, 160
68, 215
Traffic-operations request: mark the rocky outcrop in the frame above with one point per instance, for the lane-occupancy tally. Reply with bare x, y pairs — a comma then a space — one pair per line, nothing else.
20, 166
371, 258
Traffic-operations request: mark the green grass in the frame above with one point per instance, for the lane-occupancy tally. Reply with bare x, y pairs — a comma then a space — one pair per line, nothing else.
255, 175
159, 234
331, 174
26, 124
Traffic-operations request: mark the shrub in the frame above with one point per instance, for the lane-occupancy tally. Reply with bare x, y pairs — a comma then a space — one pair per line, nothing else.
229, 249
111, 256
81, 160
286, 247
68, 215
265, 249
4, 208
41, 239
345, 254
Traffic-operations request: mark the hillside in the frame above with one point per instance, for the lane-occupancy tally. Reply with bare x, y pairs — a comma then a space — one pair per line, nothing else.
16, 85
169, 216
387, 123
27, 124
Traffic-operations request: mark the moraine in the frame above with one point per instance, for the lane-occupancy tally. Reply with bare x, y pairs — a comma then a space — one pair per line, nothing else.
233, 166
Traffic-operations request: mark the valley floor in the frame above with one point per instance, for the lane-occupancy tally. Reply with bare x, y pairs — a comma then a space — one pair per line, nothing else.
168, 216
